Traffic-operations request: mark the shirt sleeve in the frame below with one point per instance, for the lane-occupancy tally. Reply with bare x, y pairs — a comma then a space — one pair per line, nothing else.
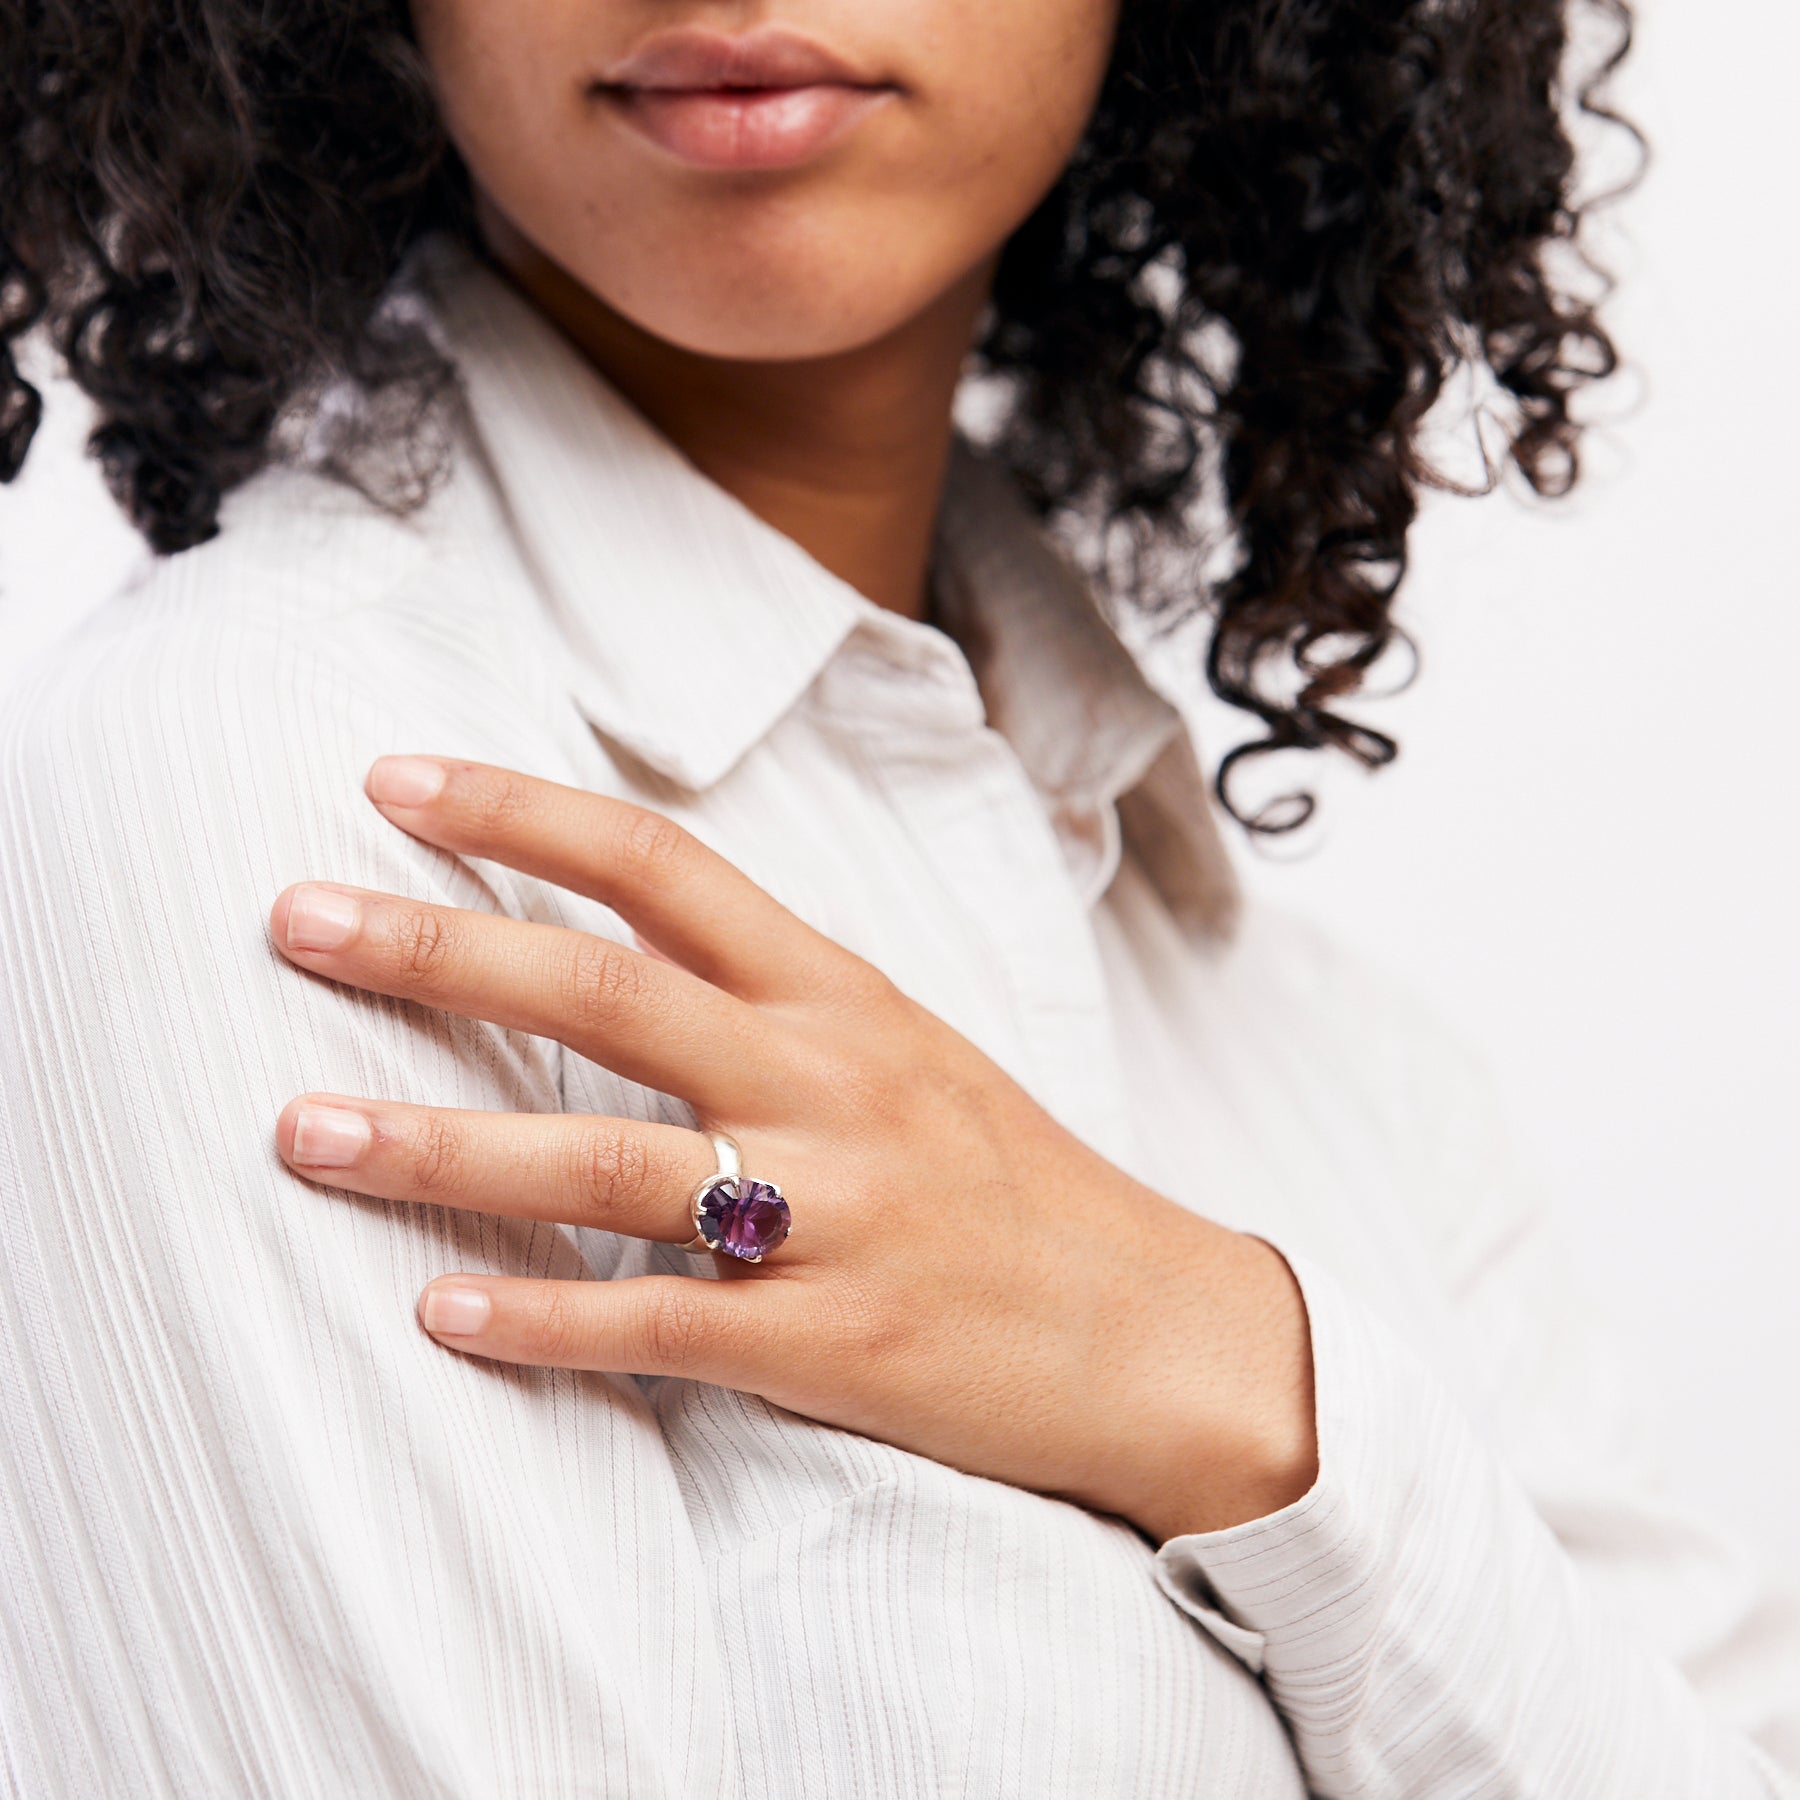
258, 1534
1484, 1595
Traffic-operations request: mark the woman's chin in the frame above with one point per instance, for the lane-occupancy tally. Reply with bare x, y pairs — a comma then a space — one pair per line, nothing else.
763, 317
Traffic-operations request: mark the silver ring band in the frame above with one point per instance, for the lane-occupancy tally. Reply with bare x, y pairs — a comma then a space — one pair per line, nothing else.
731, 1165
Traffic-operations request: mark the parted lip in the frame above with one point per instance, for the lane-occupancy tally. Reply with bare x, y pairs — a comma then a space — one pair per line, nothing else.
686, 60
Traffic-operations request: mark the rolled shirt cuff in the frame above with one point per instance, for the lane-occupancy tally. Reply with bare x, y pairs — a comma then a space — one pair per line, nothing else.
1303, 1571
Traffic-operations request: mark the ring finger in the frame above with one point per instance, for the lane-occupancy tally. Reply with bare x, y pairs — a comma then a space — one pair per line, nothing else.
573, 1168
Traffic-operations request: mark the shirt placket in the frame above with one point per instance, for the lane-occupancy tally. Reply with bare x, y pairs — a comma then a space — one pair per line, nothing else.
960, 791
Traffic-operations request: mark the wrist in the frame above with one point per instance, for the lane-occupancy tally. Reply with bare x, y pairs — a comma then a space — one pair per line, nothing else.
1222, 1422
1203, 1490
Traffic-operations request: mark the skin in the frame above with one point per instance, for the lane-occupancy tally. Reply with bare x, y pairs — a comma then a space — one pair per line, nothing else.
1068, 1329
798, 334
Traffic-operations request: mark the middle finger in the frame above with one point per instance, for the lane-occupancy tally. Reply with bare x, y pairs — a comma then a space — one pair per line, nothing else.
644, 1019
572, 1168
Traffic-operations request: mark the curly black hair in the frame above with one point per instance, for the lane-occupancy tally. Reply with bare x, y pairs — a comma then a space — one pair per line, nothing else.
1289, 222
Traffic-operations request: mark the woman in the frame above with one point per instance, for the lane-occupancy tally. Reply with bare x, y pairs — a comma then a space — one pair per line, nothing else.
916, 1295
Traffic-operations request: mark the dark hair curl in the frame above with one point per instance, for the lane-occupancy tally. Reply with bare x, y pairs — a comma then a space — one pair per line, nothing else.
1289, 222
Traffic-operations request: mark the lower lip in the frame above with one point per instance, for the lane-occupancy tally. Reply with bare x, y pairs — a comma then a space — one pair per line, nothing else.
746, 128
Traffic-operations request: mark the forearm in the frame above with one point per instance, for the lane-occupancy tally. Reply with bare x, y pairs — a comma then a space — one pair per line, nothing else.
1420, 1627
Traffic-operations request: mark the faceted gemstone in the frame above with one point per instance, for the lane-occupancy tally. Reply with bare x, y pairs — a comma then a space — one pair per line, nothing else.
744, 1218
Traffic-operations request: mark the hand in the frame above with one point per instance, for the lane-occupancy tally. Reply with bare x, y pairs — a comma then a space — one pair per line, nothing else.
965, 1279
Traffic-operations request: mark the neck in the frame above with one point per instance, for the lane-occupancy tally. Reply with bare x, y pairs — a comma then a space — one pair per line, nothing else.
845, 454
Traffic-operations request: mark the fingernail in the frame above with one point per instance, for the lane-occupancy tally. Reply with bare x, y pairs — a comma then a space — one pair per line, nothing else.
319, 919
454, 1311
330, 1137
405, 780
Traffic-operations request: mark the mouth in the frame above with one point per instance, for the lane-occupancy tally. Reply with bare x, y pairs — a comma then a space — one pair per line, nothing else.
763, 99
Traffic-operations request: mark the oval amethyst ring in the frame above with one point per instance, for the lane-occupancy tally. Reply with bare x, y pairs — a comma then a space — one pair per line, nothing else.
734, 1214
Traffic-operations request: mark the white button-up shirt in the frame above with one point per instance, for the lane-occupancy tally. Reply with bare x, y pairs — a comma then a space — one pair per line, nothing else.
262, 1537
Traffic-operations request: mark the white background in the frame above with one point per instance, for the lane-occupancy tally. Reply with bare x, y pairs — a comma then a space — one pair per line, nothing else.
1586, 856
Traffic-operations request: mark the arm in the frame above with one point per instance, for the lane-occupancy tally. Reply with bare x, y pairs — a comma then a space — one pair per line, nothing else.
1104, 1366
259, 1534
1488, 1598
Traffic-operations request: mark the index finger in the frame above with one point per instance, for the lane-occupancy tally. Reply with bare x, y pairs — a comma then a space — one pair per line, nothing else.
686, 899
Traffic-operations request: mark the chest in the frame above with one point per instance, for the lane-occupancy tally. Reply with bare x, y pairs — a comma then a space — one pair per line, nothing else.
981, 1638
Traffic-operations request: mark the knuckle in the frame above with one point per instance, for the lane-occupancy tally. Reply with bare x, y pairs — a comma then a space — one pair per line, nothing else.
437, 1157
501, 804
421, 942
559, 1330
604, 979
672, 1329
865, 1328
866, 1091
609, 1164
652, 844
869, 992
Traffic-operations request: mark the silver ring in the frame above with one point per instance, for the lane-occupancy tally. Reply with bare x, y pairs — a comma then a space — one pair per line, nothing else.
734, 1214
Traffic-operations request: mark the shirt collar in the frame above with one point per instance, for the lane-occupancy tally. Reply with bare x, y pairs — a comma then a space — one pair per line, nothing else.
641, 557
1113, 755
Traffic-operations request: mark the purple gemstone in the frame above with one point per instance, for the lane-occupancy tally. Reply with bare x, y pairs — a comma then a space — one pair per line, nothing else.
744, 1218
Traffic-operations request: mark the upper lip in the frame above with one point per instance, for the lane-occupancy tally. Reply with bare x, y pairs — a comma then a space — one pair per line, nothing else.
685, 59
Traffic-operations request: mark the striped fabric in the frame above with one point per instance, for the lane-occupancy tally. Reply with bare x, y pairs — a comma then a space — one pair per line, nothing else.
260, 1537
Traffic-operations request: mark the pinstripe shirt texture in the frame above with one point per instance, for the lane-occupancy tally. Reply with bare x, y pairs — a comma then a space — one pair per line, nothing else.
260, 1537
